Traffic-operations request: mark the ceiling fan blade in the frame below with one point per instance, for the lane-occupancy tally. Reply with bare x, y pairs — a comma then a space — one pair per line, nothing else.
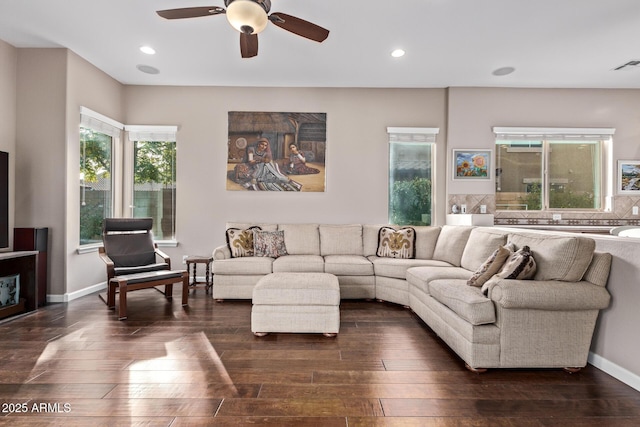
299, 26
248, 45
190, 12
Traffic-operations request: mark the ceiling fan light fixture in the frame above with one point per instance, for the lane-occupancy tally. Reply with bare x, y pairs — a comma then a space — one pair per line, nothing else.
247, 16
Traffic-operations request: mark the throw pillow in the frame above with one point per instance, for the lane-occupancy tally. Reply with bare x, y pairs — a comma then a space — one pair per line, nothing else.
240, 242
521, 265
396, 243
491, 266
269, 244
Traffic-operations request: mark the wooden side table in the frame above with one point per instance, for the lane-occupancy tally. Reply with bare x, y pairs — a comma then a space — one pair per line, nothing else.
195, 260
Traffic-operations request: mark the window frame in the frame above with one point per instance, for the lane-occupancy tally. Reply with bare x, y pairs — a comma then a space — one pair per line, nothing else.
97, 122
134, 133
419, 136
547, 137
122, 175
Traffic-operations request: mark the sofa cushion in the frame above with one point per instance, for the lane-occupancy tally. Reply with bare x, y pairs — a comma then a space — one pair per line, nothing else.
491, 266
482, 242
397, 267
426, 239
299, 264
348, 265
269, 244
563, 258
243, 266
451, 243
341, 239
467, 302
396, 243
240, 241
419, 277
301, 239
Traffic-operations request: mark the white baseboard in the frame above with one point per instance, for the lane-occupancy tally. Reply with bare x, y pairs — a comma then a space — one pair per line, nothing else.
616, 371
77, 294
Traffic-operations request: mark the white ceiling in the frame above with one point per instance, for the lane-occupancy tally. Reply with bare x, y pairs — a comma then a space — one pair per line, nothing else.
551, 43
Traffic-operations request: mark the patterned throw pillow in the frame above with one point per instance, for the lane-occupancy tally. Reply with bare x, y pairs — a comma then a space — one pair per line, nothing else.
491, 266
269, 243
240, 242
520, 265
396, 243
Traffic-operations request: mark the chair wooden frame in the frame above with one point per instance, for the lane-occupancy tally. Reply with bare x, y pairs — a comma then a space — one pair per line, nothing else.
135, 257
121, 285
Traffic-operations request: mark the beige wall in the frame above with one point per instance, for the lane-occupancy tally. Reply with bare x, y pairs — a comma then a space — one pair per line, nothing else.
356, 160
89, 87
473, 112
40, 151
8, 70
52, 85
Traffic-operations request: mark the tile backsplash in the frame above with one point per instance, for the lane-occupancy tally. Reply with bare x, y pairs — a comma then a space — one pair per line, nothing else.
620, 215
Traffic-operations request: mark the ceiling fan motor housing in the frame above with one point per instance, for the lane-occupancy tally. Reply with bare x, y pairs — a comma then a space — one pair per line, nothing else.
248, 16
266, 4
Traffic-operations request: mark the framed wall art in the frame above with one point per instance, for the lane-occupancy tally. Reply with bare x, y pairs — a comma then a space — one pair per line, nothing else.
471, 164
276, 151
629, 177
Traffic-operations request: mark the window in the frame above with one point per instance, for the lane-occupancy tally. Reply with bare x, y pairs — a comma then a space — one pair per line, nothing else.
410, 175
154, 177
542, 169
98, 135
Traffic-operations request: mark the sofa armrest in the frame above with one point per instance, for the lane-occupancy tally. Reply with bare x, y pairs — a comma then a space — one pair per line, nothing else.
548, 295
221, 252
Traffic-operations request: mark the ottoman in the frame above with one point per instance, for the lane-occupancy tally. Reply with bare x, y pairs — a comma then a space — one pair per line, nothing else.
296, 302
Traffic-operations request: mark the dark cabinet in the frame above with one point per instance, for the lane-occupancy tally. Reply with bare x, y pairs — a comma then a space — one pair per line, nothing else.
35, 239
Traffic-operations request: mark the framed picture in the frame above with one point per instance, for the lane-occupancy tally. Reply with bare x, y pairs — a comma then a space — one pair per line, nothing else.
270, 151
629, 177
471, 164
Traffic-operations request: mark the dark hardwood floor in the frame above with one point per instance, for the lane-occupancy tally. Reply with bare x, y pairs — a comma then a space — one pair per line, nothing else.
76, 365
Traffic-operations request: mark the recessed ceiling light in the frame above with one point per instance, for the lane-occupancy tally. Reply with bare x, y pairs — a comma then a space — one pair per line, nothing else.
148, 50
398, 53
503, 71
148, 69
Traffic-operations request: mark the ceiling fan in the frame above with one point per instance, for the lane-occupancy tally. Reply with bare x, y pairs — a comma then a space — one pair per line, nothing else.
251, 17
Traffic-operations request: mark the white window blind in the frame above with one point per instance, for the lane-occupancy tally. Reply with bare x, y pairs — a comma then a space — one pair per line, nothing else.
100, 123
552, 134
412, 134
151, 133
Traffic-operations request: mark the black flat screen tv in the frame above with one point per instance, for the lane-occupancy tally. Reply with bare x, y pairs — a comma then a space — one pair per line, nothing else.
4, 199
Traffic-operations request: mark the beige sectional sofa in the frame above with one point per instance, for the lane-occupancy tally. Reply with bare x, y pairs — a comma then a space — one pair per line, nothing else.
546, 321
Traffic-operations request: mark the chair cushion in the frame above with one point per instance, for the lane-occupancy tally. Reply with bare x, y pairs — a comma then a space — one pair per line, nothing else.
468, 302
149, 276
141, 268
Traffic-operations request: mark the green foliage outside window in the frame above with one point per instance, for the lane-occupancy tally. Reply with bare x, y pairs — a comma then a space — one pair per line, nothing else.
95, 165
410, 200
558, 199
